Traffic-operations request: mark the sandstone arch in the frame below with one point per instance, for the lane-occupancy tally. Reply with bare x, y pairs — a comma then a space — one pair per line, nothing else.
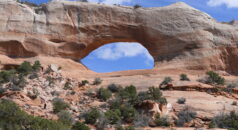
177, 36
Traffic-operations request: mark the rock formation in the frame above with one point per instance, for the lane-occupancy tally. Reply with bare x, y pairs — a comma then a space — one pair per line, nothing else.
177, 36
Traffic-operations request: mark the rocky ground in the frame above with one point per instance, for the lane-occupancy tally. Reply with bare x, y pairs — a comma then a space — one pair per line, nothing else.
54, 84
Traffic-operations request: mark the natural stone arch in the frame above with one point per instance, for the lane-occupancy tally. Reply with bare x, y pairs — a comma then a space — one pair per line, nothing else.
176, 34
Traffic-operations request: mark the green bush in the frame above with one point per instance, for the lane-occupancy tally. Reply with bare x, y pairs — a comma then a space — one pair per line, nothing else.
137, 6
59, 105
36, 66
166, 81
97, 81
128, 113
214, 78
161, 121
185, 116
84, 82
65, 117
80, 126
113, 116
114, 88
104, 94
226, 121
7, 75
13, 118
129, 94
92, 116
234, 103
153, 94
25, 68
181, 100
67, 85
184, 77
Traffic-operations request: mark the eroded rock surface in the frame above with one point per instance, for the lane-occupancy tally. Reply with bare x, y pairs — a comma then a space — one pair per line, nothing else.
177, 36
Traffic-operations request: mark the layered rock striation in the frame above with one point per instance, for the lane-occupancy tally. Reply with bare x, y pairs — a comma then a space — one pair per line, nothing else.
177, 36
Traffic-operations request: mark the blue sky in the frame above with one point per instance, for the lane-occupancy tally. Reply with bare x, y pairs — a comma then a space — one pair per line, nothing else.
112, 57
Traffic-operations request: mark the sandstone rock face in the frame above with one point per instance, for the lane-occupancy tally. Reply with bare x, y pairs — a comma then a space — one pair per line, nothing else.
177, 36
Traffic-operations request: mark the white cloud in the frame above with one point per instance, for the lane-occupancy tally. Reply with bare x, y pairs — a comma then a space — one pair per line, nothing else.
111, 1
228, 3
121, 50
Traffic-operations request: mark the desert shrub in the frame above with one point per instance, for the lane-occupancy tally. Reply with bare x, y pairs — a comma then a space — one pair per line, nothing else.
113, 116
80, 126
234, 103
185, 116
50, 80
119, 127
36, 66
19, 81
7, 75
67, 85
229, 88
161, 121
153, 94
130, 128
15, 88
137, 6
65, 117
214, 78
128, 94
104, 94
128, 113
13, 118
227, 121
35, 93
114, 88
97, 81
166, 81
34, 75
84, 82
184, 77
92, 116
141, 120
25, 68
59, 105
115, 103
181, 100
102, 122
55, 93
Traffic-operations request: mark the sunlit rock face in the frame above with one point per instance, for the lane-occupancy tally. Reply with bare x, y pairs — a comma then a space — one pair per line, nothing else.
177, 36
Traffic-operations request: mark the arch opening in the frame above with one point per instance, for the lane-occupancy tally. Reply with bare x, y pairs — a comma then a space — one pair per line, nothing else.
119, 56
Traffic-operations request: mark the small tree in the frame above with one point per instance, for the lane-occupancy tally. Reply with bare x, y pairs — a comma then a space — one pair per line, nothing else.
184, 77
59, 105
